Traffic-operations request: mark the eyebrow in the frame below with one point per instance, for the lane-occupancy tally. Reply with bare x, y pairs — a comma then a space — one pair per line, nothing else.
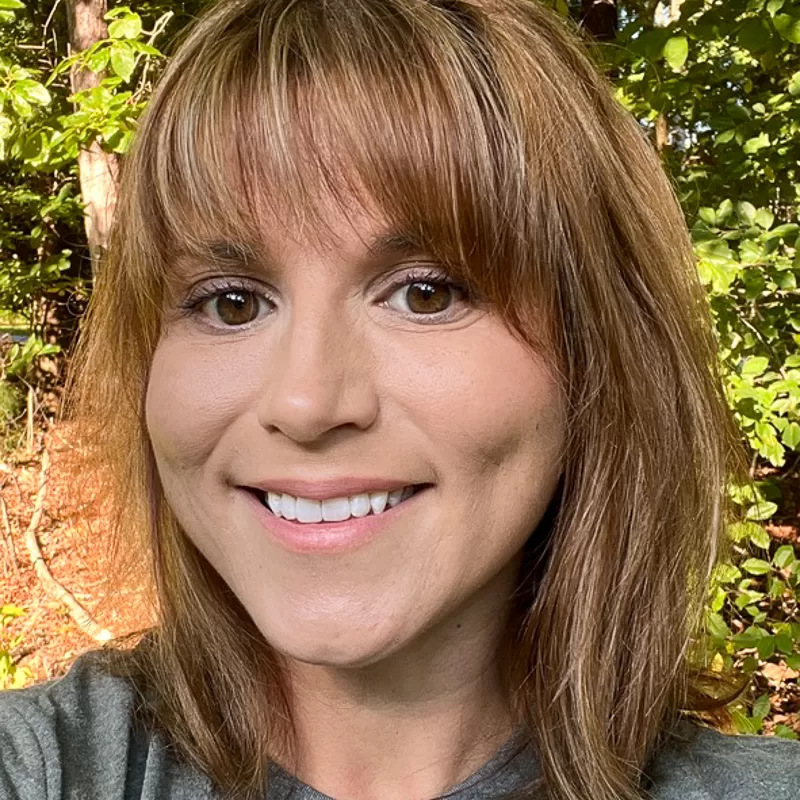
216, 257
394, 243
224, 253
223, 256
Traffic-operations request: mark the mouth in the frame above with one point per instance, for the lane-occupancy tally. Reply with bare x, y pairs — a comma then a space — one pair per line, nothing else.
307, 511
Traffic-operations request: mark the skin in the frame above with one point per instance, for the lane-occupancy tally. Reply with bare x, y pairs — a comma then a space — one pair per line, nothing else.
391, 647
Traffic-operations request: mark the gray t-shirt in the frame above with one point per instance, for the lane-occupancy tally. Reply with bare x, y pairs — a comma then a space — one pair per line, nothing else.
76, 739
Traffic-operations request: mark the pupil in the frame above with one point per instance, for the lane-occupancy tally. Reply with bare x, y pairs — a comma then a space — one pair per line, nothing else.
424, 294
237, 308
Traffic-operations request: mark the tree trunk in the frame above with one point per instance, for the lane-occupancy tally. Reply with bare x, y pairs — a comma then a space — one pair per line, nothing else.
97, 169
662, 132
670, 11
600, 18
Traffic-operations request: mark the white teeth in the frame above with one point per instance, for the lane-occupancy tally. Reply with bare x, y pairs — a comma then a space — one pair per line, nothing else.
395, 497
274, 501
288, 507
308, 510
378, 501
335, 509
360, 505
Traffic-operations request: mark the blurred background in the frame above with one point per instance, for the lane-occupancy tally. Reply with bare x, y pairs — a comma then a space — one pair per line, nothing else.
716, 86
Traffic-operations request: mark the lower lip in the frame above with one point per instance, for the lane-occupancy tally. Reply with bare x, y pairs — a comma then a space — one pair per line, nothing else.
331, 537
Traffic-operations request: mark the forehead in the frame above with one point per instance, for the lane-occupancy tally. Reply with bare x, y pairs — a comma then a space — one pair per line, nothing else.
346, 227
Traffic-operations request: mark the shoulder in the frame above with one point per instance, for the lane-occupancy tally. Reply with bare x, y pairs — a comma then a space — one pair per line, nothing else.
77, 737
698, 763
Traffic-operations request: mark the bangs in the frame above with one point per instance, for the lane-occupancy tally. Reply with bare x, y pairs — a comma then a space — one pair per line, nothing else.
312, 101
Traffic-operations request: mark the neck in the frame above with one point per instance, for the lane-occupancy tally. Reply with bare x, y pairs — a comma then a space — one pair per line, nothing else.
413, 724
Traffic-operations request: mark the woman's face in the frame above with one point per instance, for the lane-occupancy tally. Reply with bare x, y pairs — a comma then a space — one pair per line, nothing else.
318, 368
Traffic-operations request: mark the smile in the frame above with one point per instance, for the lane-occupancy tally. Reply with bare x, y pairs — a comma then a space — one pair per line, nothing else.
336, 509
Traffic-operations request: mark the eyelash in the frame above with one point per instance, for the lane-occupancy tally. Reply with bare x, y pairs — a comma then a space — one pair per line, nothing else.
192, 305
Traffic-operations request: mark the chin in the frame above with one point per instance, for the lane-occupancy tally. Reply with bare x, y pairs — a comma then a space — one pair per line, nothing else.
330, 642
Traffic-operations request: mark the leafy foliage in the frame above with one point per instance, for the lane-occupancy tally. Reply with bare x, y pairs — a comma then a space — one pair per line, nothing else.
718, 88
12, 676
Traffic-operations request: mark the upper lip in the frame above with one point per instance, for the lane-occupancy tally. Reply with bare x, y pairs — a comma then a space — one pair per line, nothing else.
328, 488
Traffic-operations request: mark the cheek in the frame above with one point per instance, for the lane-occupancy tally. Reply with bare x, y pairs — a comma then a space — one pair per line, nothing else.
192, 396
486, 400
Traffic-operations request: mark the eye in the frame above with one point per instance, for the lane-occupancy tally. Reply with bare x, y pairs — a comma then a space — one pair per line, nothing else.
236, 307
226, 306
427, 294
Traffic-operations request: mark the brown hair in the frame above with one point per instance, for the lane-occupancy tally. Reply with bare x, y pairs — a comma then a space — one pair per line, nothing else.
482, 128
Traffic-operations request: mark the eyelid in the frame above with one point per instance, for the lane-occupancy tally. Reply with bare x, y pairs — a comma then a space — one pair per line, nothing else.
212, 287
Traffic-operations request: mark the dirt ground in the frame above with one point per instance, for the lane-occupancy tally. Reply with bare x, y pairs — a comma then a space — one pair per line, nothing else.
74, 533
74, 536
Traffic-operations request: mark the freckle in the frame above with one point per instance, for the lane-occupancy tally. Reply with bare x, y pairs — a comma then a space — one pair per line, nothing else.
458, 624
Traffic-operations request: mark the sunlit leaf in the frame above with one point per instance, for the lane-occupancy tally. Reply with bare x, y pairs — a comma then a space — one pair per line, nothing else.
676, 51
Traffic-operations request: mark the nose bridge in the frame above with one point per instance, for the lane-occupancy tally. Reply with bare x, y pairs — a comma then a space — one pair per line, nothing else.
317, 378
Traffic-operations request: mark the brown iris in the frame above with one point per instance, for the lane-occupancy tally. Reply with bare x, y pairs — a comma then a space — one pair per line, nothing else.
423, 294
237, 307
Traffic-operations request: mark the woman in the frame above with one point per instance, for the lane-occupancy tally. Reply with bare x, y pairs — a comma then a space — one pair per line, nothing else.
409, 390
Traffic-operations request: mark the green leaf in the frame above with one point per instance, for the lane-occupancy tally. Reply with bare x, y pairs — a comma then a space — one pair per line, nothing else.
129, 27
676, 50
782, 231
764, 218
756, 566
718, 600
750, 665
776, 588
142, 47
741, 531
11, 5
794, 84
33, 92
761, 511
754, 366
20, 105
766, 647
791, 435
708, 215
725, 136
784, 556
744, 724
754, 35
793, 662
762, 706
746, 212
715, 250
749, 637
760, 538
122, 61
784, 643
725, 210
757, 143
98, 60
716, 626
785, 732
788, 27
727, 573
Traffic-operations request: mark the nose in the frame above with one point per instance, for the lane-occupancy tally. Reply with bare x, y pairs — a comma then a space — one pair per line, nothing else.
318, 379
